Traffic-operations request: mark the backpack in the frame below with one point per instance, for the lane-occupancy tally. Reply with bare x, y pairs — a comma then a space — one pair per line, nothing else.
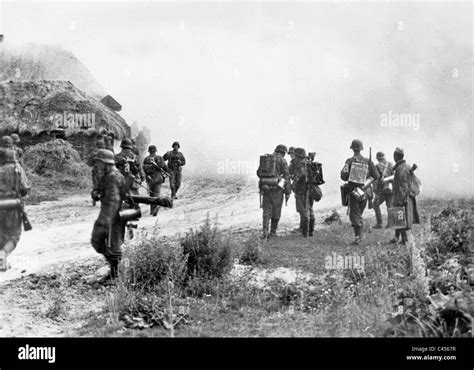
267, 166
315, 173
149, 165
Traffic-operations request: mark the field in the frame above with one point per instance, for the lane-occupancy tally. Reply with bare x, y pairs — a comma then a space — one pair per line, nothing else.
277, 288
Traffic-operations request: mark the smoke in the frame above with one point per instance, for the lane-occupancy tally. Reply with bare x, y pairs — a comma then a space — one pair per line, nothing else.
230, 81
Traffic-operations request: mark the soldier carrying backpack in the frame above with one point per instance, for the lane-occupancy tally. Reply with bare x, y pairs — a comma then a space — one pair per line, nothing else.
274, 183
155, 170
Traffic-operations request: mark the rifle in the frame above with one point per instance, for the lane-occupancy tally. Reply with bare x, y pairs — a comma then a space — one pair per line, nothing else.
24, 217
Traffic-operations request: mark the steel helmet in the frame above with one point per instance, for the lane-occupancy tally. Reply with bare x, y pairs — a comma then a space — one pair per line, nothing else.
126, 143
7, 142
291, 150
175, 143
105, 156
357, 145
300, 152
281, 148
15, 137
152, 149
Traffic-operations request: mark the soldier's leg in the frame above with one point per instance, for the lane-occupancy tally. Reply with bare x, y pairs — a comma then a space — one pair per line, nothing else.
311, 218
99, 238
11, 231
355, 215
178, 182
267, 209
378, 200
172, 183
389, 204
156, 194
277, 202
114, 249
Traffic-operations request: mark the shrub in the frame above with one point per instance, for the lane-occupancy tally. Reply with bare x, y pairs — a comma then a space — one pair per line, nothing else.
209, 252
151, 260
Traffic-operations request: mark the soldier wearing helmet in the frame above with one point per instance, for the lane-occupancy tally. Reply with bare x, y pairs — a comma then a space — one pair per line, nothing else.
13, 185
273, 195
304, 202
176, 161
403, 195
155, 169
129, 165
109, 231
382, 190
16, 142
357, 170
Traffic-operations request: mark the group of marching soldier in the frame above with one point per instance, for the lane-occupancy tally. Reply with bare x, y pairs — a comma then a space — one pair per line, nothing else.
297, 178
365, 182
116, 180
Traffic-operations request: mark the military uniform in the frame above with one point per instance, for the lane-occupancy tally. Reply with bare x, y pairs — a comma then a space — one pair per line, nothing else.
382, 190
153, 165
16, 148
176, 161
109, 231
13, 185
272, 201
403, 196
304, 202
357, 206
90, 162
129, 166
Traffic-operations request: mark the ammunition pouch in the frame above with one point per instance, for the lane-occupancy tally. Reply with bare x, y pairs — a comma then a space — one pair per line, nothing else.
345, 191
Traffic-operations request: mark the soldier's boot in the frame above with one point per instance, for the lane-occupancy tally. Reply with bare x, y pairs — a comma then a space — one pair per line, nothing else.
395, 239
304, 227
274, 226
378, 217
266, 226
404, 236
311, 226
358, 235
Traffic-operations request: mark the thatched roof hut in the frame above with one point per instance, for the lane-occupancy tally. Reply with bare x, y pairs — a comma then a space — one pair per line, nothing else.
41, 110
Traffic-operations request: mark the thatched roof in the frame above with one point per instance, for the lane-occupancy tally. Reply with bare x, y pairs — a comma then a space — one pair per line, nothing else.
44, 106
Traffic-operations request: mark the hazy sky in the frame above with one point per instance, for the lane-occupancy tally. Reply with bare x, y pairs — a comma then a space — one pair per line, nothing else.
230, 80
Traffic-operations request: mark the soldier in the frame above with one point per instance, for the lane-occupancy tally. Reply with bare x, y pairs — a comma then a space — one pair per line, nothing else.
109, 231
358, 177
16, 142
13, 185
304, 202
403, 195
273, 195
100, 144
155, 170
109, 142
176, 161
129, 166
382, 190
291, 152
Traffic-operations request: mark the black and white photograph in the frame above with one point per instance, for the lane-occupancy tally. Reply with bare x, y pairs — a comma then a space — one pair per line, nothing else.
237, 169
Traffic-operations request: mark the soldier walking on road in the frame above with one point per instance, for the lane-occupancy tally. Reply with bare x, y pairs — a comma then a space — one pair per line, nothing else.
16, 148
155, 170
129, 166
382, 190
273, 190
359, 172
13, 186
109, 231
176, 161
404, 194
